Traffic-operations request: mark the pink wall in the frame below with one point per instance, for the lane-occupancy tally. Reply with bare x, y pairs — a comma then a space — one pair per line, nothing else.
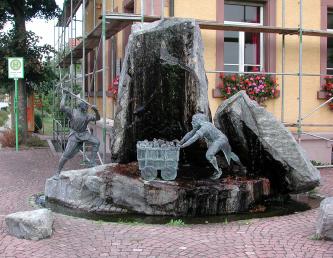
317, 149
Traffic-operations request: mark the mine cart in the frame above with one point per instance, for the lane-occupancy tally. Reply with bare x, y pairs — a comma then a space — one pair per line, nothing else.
158, 155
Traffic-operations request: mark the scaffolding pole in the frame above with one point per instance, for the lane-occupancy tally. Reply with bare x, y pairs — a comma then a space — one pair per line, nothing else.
300, 70
283, 60
83, 63
104, 77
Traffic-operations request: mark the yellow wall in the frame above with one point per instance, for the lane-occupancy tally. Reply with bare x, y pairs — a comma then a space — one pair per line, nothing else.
203, 10
206, 10
311, 64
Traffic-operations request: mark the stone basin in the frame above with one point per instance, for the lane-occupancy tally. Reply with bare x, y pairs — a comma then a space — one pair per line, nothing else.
116, 188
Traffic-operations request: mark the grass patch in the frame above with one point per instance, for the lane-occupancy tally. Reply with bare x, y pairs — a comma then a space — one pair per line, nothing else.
35, 141
48, 125
3, 117
176, 222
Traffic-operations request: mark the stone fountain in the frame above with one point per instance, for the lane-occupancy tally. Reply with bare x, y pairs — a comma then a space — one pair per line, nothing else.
162, 85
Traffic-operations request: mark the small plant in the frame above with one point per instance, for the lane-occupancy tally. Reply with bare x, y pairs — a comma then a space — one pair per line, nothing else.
315, 237
176, 222
244, 222
318, 163
225, 221
7, 139
258, 87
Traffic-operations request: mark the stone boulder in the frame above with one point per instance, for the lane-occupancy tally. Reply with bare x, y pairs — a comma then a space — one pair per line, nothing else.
162, 84
33, 225
324, 227
118, 188
77, 188
265, 146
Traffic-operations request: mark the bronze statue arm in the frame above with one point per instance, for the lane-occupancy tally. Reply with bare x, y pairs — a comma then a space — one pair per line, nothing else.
187, 137
63, 107
97, 115
191, 140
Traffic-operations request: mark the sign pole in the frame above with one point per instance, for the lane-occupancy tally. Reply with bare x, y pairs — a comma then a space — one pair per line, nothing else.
16, 71
16, 112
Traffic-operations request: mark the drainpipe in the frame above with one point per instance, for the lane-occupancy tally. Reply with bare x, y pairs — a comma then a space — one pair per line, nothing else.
172, 8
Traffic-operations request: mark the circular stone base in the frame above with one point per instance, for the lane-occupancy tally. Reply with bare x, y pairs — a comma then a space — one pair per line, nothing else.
114, 187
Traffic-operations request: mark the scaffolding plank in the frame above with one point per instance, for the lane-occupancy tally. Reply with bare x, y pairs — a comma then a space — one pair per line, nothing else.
64, 18
118, 21
212, 25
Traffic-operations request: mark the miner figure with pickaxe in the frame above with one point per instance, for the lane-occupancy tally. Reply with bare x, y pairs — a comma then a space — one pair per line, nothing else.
79, 134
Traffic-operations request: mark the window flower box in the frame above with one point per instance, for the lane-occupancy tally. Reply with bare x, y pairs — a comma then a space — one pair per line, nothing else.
328, 89
258, 87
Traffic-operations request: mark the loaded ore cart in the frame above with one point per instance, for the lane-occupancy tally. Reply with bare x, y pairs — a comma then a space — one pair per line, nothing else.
158, 155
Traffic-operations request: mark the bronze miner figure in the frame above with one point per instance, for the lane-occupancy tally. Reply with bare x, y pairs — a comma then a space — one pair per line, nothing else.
79, 120
215, 139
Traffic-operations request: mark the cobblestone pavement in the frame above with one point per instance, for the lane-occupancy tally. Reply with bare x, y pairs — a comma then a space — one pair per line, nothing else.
23, 174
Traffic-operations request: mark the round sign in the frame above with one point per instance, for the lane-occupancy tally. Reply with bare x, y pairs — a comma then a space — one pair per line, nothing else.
15, 64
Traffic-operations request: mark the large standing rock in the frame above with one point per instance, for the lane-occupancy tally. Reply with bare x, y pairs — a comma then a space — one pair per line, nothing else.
324, 228
265, 146
32, 225
162, 84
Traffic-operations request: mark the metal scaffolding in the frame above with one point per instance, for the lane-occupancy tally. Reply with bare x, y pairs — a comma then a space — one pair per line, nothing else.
110, 23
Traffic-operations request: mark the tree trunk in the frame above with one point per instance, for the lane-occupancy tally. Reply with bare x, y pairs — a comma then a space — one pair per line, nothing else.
21, 49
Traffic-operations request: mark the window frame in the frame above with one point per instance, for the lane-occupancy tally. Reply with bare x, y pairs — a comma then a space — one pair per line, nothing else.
329, 10
241, 34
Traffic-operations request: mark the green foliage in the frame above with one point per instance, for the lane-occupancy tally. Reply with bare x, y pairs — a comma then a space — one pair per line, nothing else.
3, 117
48, 125
176, 222
38, 122
29, 9
315, 237
39, 74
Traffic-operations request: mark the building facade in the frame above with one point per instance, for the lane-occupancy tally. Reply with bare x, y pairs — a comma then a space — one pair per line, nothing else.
242, 51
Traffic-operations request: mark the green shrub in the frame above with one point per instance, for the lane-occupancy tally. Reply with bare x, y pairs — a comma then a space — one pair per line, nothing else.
3, 117
38, 122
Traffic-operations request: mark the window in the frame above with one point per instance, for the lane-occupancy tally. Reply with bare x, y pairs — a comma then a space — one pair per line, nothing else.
329, 64
243, 51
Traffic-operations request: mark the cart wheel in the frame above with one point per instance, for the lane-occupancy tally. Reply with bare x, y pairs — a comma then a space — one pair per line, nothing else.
148, 173
169, 173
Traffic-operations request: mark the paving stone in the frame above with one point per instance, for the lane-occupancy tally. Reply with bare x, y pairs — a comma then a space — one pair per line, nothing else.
23, 174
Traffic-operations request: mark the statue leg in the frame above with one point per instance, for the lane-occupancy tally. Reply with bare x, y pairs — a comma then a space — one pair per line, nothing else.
94, 142
71, 149
210, 156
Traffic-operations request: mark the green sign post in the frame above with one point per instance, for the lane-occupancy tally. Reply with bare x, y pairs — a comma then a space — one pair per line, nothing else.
16, 71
